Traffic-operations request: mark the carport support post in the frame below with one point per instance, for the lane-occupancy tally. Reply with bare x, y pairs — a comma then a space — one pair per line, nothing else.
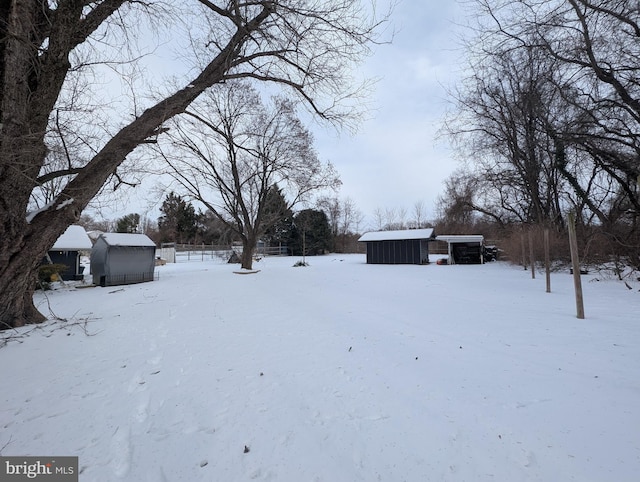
575, 263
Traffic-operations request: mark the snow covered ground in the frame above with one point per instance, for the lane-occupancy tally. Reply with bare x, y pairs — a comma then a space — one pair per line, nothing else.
340, 371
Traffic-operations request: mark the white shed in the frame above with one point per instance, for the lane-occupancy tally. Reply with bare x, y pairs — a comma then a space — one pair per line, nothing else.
66, 250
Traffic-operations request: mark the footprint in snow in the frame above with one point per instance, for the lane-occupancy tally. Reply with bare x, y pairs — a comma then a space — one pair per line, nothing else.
121, 452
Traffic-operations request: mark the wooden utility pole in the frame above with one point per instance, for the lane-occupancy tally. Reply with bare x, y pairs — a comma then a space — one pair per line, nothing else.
575, 263
547, 259
532, 256
524, 256
304, 245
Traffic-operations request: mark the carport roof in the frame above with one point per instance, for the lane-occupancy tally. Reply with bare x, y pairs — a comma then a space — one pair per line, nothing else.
397, 235
461, 238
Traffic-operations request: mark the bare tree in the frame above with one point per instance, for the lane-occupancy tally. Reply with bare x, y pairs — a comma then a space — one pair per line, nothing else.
91, 224
379, 218
554, 110
402, 218
47, 48
344, 220
456, 206
333, 209
419, 215
350, 221
509, 108
391, 218
351, 217
230, 150
595, 46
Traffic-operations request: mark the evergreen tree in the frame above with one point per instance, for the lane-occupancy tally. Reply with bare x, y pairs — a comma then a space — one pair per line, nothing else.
128, 223
311, 233
278, 218
178, 222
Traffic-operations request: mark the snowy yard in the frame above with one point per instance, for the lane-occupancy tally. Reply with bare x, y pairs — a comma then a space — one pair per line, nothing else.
339, 371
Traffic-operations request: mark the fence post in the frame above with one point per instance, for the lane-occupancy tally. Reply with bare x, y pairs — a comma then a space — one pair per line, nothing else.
547, 259
575, 263
524, 256
532, 257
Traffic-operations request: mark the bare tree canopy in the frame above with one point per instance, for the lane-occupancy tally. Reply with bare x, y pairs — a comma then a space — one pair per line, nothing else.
549, 115
594, 46
230, 149
49, 53
345, 220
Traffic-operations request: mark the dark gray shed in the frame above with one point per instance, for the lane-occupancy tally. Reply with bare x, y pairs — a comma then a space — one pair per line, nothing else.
407, 246
120, 259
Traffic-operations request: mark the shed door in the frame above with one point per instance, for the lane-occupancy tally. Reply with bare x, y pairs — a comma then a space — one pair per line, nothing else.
424, 251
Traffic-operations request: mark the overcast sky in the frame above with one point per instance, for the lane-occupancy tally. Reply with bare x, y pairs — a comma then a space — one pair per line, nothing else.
395, 159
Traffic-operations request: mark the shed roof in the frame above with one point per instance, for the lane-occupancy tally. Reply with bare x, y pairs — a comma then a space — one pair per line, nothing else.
73, 239
461, 238
127, 239
397, 235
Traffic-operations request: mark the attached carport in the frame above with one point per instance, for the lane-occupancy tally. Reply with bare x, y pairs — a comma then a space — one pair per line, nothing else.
464, 248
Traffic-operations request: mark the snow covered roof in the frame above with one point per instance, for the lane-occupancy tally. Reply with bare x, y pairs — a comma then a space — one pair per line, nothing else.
461, 238
94, 234
127, 239
397, 235
73, 239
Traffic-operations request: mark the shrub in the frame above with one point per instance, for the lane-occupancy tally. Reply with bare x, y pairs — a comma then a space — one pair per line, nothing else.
48, 273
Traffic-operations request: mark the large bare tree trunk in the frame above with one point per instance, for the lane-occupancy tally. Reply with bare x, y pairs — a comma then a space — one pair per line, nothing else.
26, 104
18, 290
37, 42
246, 260
18, 278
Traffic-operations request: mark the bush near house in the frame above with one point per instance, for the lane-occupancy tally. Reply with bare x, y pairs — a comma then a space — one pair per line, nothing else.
48, 273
